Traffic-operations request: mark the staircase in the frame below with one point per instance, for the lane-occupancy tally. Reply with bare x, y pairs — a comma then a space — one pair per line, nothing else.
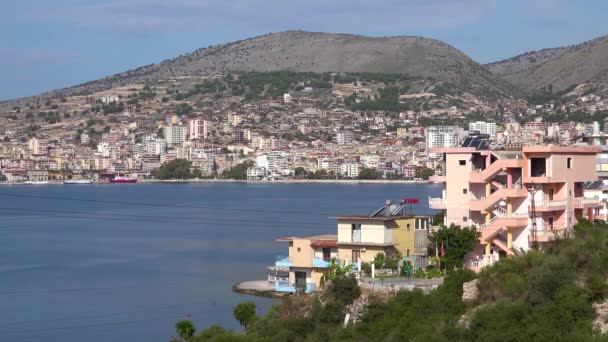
500, 241
494, 168
498, 195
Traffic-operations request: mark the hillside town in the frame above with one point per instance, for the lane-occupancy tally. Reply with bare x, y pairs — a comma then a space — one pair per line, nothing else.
337, 129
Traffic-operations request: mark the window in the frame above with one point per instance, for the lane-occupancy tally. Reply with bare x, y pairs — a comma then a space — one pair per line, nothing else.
355, 232
462, 162
408, 252
299, 249
408, 226
464, 219
550, 223
464, 191
356, 255
569, 163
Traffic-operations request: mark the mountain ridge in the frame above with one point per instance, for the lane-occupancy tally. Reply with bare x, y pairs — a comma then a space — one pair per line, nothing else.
304, 51
557, 68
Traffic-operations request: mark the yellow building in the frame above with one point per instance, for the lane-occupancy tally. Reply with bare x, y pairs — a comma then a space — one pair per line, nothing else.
309, 258
362, 237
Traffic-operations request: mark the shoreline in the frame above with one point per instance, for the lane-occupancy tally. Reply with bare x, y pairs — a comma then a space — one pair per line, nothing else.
259, 288
282, 181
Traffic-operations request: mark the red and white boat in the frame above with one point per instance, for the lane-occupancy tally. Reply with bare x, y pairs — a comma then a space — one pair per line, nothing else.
121, 179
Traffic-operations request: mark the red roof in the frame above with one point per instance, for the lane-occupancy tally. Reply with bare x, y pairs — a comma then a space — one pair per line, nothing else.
324, 243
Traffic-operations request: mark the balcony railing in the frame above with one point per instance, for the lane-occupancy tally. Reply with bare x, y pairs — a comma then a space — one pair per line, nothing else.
320, 263
548, 235
283, 261
286, 286
550, 203
587, 202
274, 279
437, 203
480, 263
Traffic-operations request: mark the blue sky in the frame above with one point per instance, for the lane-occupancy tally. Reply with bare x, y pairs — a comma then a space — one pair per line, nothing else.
52, 44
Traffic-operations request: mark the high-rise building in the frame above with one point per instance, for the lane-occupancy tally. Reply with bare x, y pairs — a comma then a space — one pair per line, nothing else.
175, 135
488, 128
38, 146
198, 128
235, 119
343, 137
441, 136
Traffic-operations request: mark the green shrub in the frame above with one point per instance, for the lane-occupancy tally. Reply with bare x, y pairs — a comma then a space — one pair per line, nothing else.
346, 289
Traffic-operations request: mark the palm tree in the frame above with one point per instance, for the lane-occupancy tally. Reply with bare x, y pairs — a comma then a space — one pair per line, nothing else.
245, 313
185, 329
336, 270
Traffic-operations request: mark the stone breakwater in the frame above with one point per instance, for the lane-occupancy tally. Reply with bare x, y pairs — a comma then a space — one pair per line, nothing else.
470, 291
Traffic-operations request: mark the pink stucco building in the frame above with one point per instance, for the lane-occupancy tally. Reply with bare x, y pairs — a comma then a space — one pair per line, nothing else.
504, 192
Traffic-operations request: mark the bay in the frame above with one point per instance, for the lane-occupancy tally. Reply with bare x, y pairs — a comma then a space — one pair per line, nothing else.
125, 262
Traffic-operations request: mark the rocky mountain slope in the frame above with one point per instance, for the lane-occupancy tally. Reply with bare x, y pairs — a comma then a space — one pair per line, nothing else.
320, 52
560, 68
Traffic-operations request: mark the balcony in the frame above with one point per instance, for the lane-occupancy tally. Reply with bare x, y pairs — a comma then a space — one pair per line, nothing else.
286, 286
320, 263
538, 180
477, 264
585, 203
549, 235
437, 203
499, 223
550, 205
283, 261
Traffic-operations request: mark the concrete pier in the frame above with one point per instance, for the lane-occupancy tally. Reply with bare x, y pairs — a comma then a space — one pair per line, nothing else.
262, 288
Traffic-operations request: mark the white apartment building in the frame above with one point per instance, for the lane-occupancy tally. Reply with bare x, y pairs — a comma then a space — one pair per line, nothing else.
310, 111
108, 99
235, 119
370, 161
488, 128
104, 149
442, 136
155, 147
38, 146
175, 135
85, 138
350, 170
256, 172
343, 137
198, 129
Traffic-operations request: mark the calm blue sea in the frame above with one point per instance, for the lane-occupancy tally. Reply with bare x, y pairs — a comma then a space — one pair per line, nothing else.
125, 262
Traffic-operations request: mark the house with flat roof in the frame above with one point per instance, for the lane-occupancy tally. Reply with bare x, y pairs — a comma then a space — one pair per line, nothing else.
518, 198
309, 258
390, 228
359, 239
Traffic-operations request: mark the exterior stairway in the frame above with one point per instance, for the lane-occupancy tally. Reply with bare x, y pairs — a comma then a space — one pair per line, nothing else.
494, 230
494, 168
497, 196
501, 242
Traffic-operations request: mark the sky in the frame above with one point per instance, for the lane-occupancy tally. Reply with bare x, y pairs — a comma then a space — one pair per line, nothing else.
50, 44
